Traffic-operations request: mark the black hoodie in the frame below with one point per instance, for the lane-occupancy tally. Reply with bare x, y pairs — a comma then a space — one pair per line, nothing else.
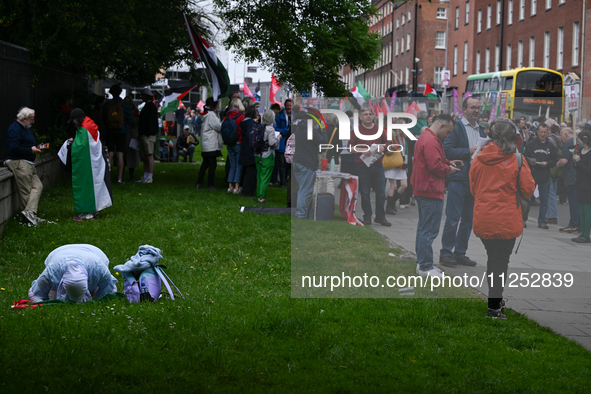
541, 152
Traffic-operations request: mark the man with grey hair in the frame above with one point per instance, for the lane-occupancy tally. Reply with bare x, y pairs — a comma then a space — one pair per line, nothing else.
20, 159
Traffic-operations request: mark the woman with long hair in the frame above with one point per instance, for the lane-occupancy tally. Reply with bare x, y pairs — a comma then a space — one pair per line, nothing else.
495, 181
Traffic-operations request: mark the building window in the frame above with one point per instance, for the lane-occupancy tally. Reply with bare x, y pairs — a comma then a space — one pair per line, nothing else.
409, 16
575, 44
441, 13
437, 75
402, 45
408, 42
477, 71
521, 10
561, 2
455, 60
479, 24
534, 7
510, 16
532, 51
508, 56
498, 12
487, 61
488, 16
560, 48
440, 40
397, 23
406, 80
397, 43
403, 19
497, 57
465, 67
548, 4
467, 16
547, 49
520, 54
457, 23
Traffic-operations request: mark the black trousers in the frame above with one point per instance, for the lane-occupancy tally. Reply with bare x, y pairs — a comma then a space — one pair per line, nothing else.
280, 169
498, 252
249, 180
210, 163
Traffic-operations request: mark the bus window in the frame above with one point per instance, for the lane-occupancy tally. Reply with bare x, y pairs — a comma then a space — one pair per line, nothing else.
470, 86
494, 85
486, 86
539, 80
508, 83
477, 85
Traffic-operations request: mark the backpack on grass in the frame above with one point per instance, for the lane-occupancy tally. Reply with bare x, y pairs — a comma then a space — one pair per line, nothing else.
256, 139
115, 115
230, 130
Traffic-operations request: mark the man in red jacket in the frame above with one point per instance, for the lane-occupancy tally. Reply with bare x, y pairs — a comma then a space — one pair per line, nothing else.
428, 180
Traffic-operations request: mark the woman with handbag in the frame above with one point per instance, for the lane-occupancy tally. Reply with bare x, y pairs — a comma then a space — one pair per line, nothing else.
497, 183
395, 171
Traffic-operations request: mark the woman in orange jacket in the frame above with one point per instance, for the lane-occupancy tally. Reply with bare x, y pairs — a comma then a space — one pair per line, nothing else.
494, 178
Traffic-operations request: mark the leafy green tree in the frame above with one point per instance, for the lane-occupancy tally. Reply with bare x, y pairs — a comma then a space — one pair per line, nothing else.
304, 42
130, 40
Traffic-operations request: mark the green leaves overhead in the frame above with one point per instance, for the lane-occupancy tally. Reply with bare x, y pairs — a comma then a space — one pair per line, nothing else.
305, 43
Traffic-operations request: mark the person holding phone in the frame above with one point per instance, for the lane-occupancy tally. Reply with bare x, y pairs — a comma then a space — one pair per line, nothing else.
20, 159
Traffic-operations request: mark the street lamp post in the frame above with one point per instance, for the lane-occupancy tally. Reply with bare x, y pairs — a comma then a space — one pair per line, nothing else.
446, 45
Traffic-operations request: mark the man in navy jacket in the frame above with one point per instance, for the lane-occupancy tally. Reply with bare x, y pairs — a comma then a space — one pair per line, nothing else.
282, 125
20, 159
460, 145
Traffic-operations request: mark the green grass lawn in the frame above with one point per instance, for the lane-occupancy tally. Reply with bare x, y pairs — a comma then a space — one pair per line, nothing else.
239, 329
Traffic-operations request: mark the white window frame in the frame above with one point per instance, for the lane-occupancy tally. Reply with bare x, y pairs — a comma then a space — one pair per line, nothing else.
510, 16
465, 63
534, 7
560, 48
408, 41
397, 46
546, 49
467, 13
439, 40
455, 60
509, 49
521, 10
488, 16
479, 24
497, 58
498, 12
409, 14
477, 71
576, 43
401, 45
561, 2
487, 60
441, 13
397, 23
457, 18
520, 54
437, 75
548, 5
532, 51
403, 19
407, 73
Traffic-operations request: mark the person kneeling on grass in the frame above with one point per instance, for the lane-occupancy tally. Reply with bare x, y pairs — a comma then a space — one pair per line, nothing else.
77, 273
265, 160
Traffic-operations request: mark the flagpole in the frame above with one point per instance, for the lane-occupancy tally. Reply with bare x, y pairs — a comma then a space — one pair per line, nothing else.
199, 47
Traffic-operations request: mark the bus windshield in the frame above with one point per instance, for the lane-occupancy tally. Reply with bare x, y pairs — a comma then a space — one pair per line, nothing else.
539, 81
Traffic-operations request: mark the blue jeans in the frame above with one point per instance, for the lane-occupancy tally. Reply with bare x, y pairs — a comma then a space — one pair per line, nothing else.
430, 212
544, 189
235, 167
305, 178
552, 199
573, 206
459, 210
372, 178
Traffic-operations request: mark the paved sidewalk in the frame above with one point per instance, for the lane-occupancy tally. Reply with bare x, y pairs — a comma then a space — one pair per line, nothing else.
566, 311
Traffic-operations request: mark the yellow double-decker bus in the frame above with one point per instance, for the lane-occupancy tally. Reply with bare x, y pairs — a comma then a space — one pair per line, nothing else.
529, 92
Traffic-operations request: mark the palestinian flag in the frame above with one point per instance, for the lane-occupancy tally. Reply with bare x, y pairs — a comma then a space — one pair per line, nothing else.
202, 52
429, 92
172, 98
89, 174
360, 93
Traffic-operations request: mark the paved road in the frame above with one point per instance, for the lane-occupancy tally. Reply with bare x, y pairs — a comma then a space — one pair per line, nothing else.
567, 311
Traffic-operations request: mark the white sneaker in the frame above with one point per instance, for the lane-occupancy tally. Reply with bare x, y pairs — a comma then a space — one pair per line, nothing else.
402, 206
435, 272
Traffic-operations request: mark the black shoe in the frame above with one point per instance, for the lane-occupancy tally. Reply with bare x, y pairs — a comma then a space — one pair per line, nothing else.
543, 225
448, 261
366, 222
581, 240
465, 260
535, 203
383, 222
496, 314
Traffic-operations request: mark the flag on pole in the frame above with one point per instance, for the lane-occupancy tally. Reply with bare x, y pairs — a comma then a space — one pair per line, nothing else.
257, 91
360, 93
172, 98
201, 105
247, 92
457, 109
384, 107
429, 92
392, 102
89, 170
274, 89
342, 105
202, 52
413, 109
